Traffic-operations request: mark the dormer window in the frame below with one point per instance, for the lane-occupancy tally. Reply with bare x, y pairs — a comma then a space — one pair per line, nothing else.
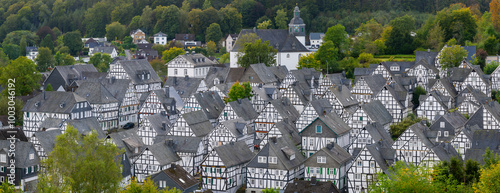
394, 68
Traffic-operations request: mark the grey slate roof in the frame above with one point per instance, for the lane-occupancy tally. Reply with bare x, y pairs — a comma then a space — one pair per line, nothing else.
303, 91
185, 87
283, 149
286, 110
134, 68
429, 57
440, 98
480, 140
426, 63
378, 133
117, 87
344, 96
95, 93
52, 102
456, 119
23, 150
211, 103
244, 109
103, 49
164, 153
197, 60
459, 74
235, 126
446, 84
339, 79
289, 131
279, 71
160, 123
494, 108
471, 51
383, 153
377, 112
315, 36
216, 72
278, 38
128, 140
306, 75
235, 153
198, 122
73, 72
47, 139
180, 144
303, 186
178, 176
336, 157
335, 123
86, 125
363, 71
322, 106
375, 82
445, 151
403, 66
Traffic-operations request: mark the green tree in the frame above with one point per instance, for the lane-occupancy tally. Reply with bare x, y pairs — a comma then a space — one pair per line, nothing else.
73, 40
81, 163
404, 178
4, 109
101, 61
416, 95
224, 59
490, 159
213, 33
489, 68
159, 67
452, 56
338, 36
457, 22
257, 52
435, 38
168, 21
239, 91
327, 55
49, 87
309, 61
400, 40
24, 72
12, 50
271, 190
366, 58
23, 44
115, 31
264, 25
47, 42
397, 129
230, 20
488, 182
281, 20
134, 24
207, 4
171, 54
147, 187
211, 48
147, 19
491, 45
96, 19
63, 59
45, 60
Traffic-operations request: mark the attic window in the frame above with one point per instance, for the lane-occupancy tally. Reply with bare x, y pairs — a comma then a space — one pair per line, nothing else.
394, 68
262, 159
250, 77
32, 156
321, 159
273, 160
3, 158
441, 124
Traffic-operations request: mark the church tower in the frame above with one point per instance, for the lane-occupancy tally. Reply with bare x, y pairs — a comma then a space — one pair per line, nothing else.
297, 26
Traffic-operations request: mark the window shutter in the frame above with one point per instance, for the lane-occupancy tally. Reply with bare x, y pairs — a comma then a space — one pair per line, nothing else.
334, 171
307, 169
328, 171
220, 170
320, 170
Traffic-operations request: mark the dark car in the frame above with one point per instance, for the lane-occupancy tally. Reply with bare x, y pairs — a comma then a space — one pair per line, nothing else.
129, 125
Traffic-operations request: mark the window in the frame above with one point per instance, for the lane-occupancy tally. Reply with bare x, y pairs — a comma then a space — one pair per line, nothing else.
32, 156
273, 160
439, 133
318, 129
262, 159
287, 55
175, 71
311, 142
2, 169
357, 176
360, 118
3, 158
441, 124
446, 133
359, 163
321, 159
185, 71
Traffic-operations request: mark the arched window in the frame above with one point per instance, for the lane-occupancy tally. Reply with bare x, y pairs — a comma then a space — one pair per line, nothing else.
287, 55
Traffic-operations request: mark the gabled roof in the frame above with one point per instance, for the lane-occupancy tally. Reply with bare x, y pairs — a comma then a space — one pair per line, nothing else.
339, 79
344, 96
335, 123
117, 87
289, 131
198, 122
448, 86
440, 98
103, 49
304, 186
377, 112
383, 153
363, 71
403, 66
425, 63
47, 139
164, 153
399, 96
220, 73
178, 176
428, 56
278, 38
185, 87
211, 103
285, 109
445, 151
303, 91
95, 93
87, 125
305, 75
378, 133
459, 74
235, 126
337, 157
54, 102
234, 153
135, 68
494, 108
22, 151
160, 123
262, 92
197, 60
184, 37
73, 71
244, 109
480, 140
182, 144
128, 140
316, 36
375, 82
455, 119
322, 106
284, 150
160, 34
471, 51
279, 71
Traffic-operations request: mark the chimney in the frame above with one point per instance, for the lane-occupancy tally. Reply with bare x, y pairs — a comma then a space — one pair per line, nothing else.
324, 112
273, 139
314, 181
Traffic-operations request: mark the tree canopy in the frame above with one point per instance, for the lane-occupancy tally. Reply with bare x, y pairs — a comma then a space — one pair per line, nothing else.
257, 52
239, 91
23, 72
452, 56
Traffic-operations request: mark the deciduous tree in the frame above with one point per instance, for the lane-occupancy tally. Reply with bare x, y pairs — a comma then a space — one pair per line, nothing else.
171, 54
230, 20
281, 21
338, 36
400, 40
495, 13
488, 182
257, 52
211, 48
115, 31
81, 163
23, 71
101, 61
239, 91
73, 40
452, 56
47, 42
309, 61
213, 33
45, 60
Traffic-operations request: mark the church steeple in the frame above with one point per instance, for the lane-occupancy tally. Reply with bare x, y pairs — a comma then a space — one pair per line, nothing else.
297, 27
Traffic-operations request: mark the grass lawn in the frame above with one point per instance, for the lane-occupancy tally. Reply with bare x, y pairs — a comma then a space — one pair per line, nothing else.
398, 58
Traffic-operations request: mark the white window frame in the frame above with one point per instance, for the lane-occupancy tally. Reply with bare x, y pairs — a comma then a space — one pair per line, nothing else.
3, 158
262, 159
321, 159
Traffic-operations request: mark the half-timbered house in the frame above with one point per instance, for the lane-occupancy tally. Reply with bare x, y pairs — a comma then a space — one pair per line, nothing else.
343, 102
366, 87
397, 102
262, 95
25, 164
282, 129
44, 141
370, 134
143, 76
61, 77
154, 158
300, 94
324, 130
275, 111
124, 91
191, 151
444, 86
104, 105
423, 71
258, 74
371, 112
329, 164
461, 77
470, 100
209, 102
159, 102
241, 108
152, 126
186, 87
276, 165
482, 140
432, 105
495, 79
193, 124
312, 111
463, 138
175, 177
53, 104
223, 169
311, 186
129, 141
373, 159
192, 65
230, 131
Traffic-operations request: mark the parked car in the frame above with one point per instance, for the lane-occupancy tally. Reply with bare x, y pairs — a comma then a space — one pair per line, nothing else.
129, 125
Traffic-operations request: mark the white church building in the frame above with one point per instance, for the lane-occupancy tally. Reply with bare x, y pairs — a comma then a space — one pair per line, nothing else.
289, 43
